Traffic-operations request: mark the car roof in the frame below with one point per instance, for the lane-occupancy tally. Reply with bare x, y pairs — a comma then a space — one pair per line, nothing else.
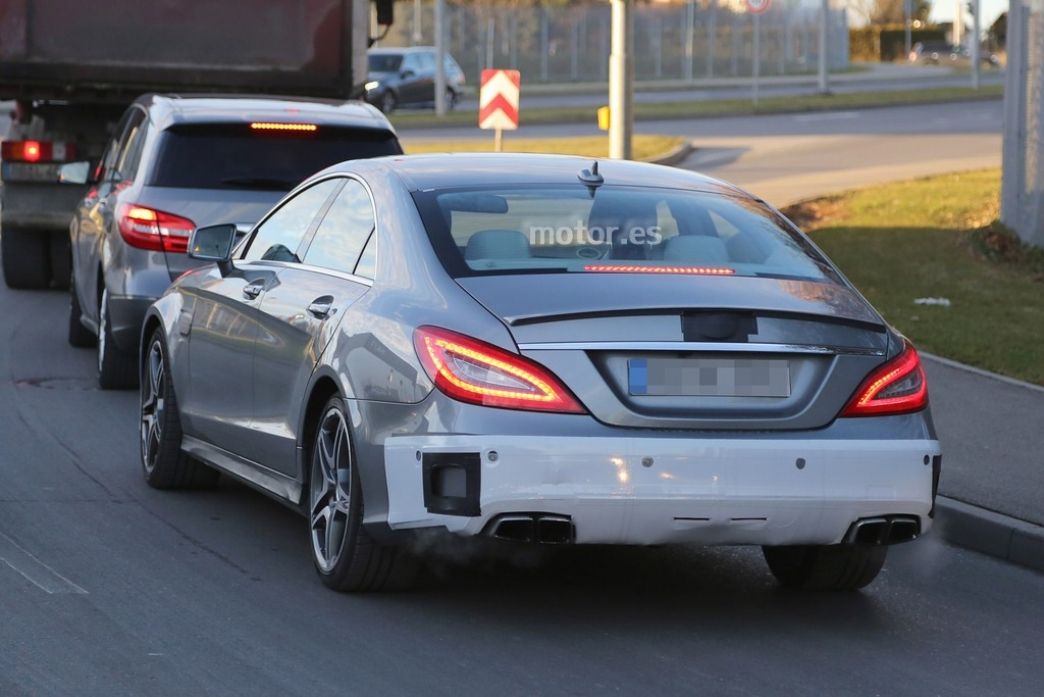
404, 49
167, 110
451, 170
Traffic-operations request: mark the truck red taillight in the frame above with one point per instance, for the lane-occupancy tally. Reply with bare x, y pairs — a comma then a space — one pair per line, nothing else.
147, 228
37, 151
479, 373
898, 387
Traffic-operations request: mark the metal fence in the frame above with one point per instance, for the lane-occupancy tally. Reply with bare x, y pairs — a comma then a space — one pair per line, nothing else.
1022, 201
684, 40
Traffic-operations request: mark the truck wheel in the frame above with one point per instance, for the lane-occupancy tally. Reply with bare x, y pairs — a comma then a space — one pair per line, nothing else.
388, 102
164, 463
345, 556
117, 369
825, 567
61, 259
27, 262
79, 335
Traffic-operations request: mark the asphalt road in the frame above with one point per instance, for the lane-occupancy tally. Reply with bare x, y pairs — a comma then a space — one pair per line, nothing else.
110, 588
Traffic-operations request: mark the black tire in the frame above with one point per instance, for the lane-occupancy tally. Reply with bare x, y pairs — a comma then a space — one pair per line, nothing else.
825, 567
452, 99
27, 258
162, 460
389, 102
79, 335
359, 563
117, 369
61, 259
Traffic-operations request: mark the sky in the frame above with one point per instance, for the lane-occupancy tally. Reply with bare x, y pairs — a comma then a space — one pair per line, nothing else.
942, 10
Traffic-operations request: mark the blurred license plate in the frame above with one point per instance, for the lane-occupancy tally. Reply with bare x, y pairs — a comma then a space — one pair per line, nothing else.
24, 172
709, 377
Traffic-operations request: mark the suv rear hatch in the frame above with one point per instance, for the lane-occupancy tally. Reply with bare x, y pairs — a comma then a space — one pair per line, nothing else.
212, 173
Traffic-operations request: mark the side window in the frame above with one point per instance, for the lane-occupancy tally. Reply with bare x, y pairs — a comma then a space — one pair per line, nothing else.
341, 236
410, 62
427, 62
367, 265
107, 166
129, 154
278, 238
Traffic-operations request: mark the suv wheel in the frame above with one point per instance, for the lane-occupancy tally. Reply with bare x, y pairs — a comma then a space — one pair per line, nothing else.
117, 369
389, 102
79, 335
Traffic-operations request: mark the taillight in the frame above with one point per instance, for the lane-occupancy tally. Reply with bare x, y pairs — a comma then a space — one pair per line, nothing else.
898, 387
37, 151
474, 371
146, 228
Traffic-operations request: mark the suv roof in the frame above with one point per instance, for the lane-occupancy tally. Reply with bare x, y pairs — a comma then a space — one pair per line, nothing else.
166, 110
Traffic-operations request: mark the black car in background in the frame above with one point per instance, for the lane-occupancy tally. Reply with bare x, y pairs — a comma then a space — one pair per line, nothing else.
406, 77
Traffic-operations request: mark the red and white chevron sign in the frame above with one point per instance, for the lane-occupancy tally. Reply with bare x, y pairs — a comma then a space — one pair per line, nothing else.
498, 99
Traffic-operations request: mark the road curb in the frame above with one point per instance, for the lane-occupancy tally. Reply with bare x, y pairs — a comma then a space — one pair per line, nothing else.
949, 362
675, 156
982, 530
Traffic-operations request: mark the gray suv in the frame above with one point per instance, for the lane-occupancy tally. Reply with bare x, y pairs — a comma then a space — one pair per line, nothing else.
177, 163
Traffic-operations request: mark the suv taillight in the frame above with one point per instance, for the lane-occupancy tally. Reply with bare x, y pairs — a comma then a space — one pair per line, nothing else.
147, 228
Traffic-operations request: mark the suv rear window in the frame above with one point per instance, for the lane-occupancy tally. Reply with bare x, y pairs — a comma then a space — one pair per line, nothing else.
235, 156
567, 229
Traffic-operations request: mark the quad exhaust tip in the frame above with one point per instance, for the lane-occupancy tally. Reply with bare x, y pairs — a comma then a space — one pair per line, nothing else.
884, 530
541, 528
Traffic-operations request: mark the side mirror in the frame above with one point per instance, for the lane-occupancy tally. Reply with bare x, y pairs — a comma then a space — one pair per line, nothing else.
213, 243
75, 173
406, 74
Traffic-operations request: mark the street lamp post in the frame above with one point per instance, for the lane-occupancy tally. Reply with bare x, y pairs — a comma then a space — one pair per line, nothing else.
976, 41
621, 82
824, 20
440, 57
907, 20
418, 35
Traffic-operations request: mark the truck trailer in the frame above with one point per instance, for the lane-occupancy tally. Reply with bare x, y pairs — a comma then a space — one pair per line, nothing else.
72, 68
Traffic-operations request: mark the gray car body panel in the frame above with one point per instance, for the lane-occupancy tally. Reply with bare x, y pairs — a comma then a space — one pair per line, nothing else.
366, 353
135, 277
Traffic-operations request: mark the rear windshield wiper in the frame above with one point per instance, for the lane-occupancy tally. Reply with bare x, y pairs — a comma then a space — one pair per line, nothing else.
259, 183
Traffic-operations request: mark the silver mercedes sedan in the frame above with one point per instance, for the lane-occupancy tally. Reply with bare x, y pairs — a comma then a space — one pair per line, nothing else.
542, 350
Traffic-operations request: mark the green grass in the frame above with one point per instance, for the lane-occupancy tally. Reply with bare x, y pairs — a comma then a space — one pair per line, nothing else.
728, 107
646, 147
936, 237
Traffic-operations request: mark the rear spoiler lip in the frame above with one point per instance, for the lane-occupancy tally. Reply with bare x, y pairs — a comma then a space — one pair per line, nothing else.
535, 318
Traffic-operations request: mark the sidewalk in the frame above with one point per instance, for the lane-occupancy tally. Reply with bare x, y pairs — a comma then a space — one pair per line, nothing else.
992, 434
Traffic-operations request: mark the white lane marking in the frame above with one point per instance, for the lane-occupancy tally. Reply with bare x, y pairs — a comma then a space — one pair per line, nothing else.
34, 570
829, 116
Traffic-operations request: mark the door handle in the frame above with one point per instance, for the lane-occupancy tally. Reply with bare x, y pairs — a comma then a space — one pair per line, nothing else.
320, 307
253, 290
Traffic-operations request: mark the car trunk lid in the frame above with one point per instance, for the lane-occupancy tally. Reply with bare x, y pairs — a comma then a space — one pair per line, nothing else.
693, 352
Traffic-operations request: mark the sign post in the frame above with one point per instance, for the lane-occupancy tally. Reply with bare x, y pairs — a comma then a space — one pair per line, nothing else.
757, 8
498, 103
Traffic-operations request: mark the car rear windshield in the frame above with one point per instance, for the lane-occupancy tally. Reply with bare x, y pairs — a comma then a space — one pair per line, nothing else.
385, 62
614, 229
239, 156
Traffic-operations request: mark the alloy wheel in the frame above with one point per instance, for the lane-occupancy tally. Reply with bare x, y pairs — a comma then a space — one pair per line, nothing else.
103, 328
330, 490
153, 403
